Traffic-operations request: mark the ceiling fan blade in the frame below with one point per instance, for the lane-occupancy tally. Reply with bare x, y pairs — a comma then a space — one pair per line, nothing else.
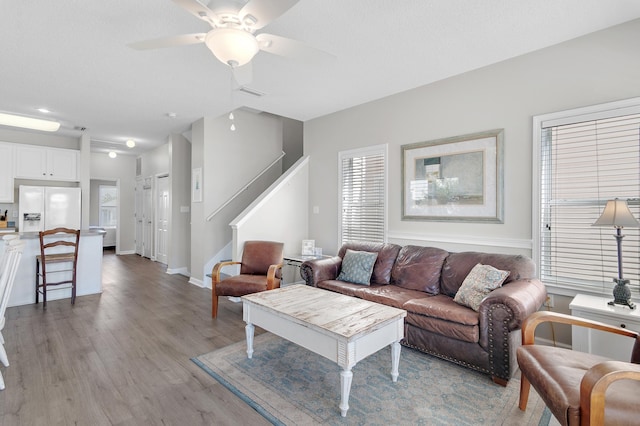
180, 40
263, 11
290, 48
198, 10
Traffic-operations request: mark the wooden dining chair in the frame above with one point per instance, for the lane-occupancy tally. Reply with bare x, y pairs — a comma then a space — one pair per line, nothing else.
57, 246
10, 260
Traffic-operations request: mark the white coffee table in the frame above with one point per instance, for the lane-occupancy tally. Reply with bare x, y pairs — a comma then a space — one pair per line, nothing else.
341, 328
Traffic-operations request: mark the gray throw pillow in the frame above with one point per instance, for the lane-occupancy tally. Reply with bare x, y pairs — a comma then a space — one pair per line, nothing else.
357, 266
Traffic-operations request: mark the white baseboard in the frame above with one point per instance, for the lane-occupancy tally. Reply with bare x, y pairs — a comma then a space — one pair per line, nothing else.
196, 282
182, 271
126, 252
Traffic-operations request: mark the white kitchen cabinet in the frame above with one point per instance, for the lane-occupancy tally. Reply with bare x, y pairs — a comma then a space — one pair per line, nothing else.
6, 173
599, 342
37, 162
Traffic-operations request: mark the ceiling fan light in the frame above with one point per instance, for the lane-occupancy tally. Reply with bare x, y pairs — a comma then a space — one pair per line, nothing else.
232, 46
28, 123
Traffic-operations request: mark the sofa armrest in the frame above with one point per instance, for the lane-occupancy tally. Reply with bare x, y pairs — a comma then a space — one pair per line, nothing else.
314, 271
522, 298
500, 316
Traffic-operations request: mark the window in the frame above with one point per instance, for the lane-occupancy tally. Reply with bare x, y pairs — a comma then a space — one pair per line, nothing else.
108, 205
363, 194
584, 158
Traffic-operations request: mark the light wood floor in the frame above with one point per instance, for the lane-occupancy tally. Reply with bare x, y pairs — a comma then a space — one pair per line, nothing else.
123, 357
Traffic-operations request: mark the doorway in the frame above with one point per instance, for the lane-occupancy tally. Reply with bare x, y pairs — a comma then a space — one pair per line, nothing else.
104, 210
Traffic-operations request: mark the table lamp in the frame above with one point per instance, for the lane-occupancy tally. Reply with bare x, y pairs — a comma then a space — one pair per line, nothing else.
617, 214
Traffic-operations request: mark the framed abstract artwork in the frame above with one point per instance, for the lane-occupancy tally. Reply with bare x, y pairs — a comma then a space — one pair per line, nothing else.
454, 179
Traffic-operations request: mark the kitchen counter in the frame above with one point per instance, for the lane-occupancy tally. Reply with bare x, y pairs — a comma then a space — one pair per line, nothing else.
89, 269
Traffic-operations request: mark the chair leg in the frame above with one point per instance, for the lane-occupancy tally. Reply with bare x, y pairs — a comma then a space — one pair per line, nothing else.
37, 281
214, 305
73, 292
525, 386
3, 356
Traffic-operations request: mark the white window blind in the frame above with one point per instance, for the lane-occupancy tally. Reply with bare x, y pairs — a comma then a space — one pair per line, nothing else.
584, 163
363, 195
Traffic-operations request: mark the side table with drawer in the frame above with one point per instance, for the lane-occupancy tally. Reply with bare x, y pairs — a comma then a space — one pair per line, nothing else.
598, 342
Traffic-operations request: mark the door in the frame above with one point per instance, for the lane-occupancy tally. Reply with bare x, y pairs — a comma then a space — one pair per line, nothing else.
139, 216
162, 219
147, 219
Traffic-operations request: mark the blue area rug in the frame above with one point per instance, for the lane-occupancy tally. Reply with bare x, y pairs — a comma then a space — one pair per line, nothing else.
290, 385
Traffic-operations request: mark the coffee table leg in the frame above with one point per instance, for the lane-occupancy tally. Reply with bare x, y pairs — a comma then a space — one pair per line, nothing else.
345, 387
248, 329
395, 360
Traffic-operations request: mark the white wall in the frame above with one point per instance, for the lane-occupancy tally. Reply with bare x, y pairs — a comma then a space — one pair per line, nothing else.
122, 168
596, 68
39, 138
280, 214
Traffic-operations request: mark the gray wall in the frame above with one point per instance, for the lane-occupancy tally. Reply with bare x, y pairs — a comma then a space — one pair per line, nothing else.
600, 67
229, 160
179, 253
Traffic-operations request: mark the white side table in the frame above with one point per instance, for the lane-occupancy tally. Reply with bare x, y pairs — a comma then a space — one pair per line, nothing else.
599, 342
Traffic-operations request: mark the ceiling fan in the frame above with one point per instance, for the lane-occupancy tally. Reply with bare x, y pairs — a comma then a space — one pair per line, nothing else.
232, 38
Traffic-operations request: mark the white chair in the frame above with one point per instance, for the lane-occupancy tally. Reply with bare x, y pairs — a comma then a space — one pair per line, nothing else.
10, 260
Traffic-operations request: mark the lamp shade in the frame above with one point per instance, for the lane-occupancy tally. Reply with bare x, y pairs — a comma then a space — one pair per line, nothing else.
617, 214
232, 46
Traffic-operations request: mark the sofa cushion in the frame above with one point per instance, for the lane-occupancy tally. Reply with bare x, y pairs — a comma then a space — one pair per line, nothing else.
482, 280
451, 330
458, 265
387, 254
357, 267
342, 287
442, 307
418, 268
390, 295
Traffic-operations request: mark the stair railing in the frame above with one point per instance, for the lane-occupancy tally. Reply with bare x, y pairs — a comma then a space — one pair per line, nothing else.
244, 188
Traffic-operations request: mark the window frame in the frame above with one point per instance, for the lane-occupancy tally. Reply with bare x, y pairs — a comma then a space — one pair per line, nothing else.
540, 122
362, 152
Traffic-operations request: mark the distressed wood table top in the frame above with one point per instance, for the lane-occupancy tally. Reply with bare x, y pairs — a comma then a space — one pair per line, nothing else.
325, 311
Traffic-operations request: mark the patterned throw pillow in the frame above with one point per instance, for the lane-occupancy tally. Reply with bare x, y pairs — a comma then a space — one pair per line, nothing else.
481, 281
357, 266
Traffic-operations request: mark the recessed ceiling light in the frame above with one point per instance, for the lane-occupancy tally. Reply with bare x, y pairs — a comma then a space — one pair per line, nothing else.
172, 115
44, 110
112, 154
131, 143
28, 123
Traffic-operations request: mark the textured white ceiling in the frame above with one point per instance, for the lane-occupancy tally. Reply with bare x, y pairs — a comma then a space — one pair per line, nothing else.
71, 56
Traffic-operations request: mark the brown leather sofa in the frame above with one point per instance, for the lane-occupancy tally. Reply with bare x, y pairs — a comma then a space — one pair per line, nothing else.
424, 281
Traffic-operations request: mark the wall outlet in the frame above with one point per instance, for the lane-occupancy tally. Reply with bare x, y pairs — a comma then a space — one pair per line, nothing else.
549, 302
15, 213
